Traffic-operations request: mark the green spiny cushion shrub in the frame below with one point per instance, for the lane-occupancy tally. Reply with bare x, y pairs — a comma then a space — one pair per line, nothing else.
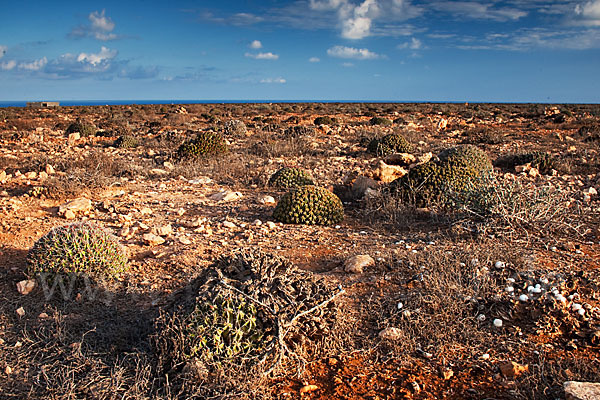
77, 249
237, 313
326, 120
223, 326
380, 121
84, 128
288, 177
235, 127
389, 144
543, 161
126, 142
454, 170
205, 144
310, 205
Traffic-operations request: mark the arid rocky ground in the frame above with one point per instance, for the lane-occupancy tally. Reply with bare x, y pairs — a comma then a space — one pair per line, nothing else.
418, 324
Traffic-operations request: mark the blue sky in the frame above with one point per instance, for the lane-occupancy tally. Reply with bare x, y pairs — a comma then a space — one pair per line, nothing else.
399, 50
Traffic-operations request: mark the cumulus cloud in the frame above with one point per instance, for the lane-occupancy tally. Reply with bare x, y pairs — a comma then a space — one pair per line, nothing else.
352, 53
3, 50
414, 44
104, 55
262, 56
100, 27
255, 44
34, 65
273, 80
590, 12
8, 65
355, 20
314, 59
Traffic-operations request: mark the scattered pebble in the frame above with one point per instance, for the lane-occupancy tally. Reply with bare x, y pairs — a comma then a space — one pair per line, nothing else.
523, 297
356, 264
498, 323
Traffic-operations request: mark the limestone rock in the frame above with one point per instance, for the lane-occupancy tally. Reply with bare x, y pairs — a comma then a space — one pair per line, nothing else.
226, 195
26, 286
401, 159
69, 215
357, 264
79, 205
73, 137
511, 369
266, 199
50, 169
361, 185
228, 224
581, 390
390, 333
153, 240
387, 173
164, 230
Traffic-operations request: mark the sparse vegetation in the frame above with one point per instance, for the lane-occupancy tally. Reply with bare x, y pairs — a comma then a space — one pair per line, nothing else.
311, 205
77, 249
453, 170
448, 250
205, 144
389, 144
288, 177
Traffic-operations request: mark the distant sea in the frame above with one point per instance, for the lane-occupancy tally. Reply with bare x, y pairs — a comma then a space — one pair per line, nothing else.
129, 102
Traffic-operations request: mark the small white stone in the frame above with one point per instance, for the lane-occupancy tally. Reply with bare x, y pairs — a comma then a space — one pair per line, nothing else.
576, 307
510, 289
486, 356
581, 312
271, 224
499, 264
523, 297
400, 305
536, 290
553, 248
530, 288
511, 280
229, 224
338, 226
498, 323
257, 222
481, 317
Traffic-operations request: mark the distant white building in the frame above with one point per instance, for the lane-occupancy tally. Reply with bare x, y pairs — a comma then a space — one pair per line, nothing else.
43, 104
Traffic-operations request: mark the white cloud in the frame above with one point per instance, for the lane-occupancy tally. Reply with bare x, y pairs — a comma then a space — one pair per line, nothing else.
273, 80
356, 21
475, 10
590, 12
353, 53
255, 44
95, 59
3, 50
414, 44
8, 65
262, 56
100, 27
326, 4
34, 65
314, 59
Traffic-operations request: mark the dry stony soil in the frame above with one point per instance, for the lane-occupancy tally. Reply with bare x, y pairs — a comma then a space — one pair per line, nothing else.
442, 276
